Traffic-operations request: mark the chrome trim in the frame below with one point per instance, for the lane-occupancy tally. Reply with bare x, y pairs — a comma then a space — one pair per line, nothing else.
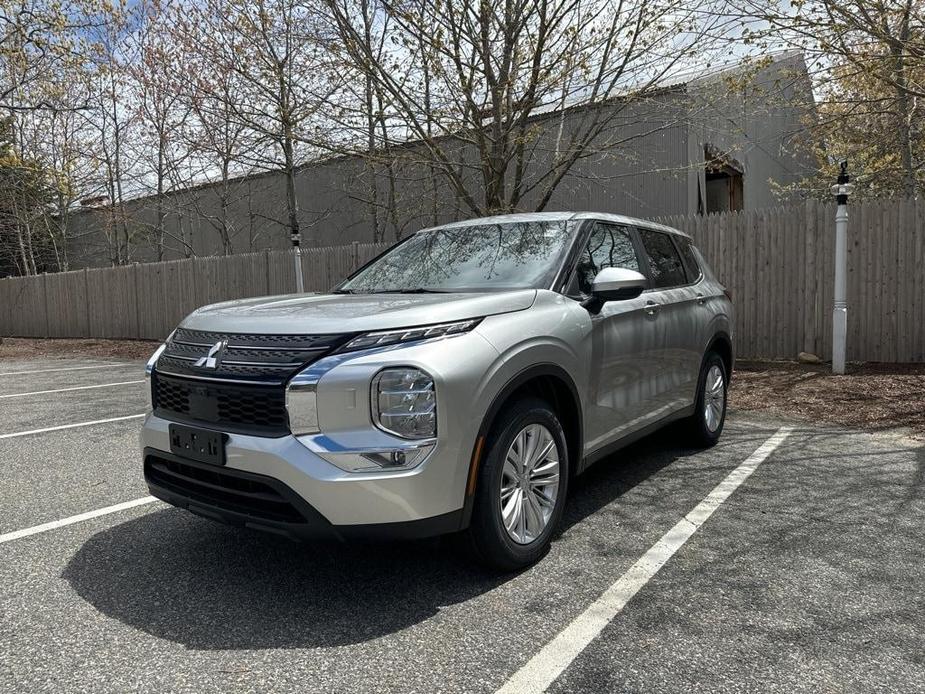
319, 443
301, 396
215, 379
280, 349
152, 360
192, 344
255, 348
270, 364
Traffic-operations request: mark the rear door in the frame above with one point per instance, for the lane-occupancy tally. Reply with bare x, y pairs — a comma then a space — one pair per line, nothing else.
673, 297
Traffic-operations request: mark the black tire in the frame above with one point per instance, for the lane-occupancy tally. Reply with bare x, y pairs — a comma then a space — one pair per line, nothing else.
700, 433
487, 536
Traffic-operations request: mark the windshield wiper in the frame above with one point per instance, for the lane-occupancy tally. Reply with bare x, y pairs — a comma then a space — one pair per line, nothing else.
411, 290
344, 291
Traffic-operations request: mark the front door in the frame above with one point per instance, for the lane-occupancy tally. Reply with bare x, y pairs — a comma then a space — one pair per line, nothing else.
621, 346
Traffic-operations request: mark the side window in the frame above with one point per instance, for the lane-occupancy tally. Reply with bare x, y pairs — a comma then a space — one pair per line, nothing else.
608, 246
665, 267
689, 259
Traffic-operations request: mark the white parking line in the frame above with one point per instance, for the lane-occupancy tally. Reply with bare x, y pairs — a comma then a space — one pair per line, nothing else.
552, 660
69, 426
70, 368
35, 530
64, 390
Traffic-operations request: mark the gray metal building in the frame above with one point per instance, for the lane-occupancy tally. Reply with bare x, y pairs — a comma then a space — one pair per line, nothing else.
714, 142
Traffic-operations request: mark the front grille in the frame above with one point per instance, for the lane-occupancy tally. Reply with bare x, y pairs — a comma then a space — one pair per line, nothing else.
246, 409
243, 389
264, 358
231, 491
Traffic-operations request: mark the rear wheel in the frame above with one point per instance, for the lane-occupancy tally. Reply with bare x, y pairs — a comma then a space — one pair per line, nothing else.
706, 424
523, 480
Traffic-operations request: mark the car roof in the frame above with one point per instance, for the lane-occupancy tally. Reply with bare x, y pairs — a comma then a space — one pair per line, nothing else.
563, 217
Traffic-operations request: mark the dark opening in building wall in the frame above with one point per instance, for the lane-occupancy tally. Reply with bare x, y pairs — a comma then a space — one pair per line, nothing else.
724, 177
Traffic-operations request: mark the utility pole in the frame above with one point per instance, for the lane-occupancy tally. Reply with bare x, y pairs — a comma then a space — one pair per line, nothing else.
840, 190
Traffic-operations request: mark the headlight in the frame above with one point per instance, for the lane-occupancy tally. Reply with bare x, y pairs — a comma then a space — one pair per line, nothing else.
391, 337
404, 403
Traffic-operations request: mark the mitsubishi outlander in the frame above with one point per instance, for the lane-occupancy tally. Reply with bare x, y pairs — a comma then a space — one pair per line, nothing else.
455, 384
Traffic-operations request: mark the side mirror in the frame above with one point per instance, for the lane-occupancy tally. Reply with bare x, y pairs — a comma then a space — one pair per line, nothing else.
615, 284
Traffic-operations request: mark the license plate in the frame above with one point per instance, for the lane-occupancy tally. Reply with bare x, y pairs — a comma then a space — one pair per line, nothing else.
197, 444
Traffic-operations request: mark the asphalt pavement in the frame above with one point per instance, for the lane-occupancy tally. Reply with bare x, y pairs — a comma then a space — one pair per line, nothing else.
807, 577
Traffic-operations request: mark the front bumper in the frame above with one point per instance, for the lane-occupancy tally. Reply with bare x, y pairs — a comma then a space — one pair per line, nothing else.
279, 485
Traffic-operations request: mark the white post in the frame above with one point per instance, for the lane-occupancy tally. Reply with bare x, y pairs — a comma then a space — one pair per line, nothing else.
297, 260
299, 282
840, 190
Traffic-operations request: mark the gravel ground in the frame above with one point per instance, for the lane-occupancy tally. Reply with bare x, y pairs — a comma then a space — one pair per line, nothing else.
873, 397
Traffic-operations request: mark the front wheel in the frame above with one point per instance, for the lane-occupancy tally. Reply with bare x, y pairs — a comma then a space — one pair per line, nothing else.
522, 484
706, 424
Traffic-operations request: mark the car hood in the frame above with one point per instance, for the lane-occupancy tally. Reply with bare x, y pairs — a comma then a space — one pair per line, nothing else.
349, 313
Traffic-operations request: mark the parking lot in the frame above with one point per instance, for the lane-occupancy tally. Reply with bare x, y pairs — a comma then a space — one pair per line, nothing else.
789, 558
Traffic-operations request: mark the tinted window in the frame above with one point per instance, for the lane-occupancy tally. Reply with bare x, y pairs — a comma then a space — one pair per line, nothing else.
478, 257
665, 265
689, 259
608, 246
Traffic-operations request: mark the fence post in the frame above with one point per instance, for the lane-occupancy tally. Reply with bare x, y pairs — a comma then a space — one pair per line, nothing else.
356, 255
137, 301
87, 300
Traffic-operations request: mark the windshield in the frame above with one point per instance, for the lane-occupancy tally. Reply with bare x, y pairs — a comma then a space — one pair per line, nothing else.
516, 255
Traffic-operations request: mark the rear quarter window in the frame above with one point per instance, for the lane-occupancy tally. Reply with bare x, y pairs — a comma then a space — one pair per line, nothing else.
689, 258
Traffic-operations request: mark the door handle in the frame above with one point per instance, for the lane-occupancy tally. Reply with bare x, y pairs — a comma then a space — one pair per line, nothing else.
701, 299
651, 308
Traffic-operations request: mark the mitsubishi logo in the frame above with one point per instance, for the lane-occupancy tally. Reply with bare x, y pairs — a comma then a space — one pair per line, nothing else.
214, 358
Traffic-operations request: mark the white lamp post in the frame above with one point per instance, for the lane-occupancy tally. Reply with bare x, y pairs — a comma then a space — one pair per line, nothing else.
297, 260
840, 190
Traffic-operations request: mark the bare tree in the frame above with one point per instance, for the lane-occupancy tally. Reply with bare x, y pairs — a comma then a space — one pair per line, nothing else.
468, 80
109, 113
218, 139
868, 59
162, 112
270, 49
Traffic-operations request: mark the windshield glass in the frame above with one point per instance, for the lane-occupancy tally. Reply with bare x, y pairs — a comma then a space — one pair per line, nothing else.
515, 255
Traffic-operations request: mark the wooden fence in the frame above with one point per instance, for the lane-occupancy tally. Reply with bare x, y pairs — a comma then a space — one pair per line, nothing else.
777, 262
147, 301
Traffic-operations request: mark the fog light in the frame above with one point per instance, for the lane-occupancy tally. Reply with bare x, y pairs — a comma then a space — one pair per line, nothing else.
379, 461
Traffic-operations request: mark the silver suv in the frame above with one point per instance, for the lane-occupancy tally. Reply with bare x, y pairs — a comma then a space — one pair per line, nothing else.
455, 384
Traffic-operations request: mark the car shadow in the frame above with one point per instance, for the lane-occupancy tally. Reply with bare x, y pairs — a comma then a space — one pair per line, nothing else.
208, 586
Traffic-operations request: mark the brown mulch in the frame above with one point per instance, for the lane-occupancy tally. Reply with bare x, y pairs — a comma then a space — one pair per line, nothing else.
870, 396
26, 348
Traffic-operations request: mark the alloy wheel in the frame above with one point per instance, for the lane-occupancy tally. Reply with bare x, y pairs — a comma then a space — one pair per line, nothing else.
529, 483
714, 398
